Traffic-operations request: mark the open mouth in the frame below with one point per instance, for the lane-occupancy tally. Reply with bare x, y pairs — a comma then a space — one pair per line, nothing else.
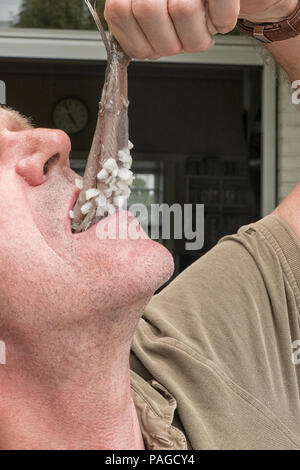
112, 190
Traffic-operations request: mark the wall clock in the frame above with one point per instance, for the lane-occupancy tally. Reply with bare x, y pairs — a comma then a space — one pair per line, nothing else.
71, 115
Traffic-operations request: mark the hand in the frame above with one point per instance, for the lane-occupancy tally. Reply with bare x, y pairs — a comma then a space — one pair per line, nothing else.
156, 28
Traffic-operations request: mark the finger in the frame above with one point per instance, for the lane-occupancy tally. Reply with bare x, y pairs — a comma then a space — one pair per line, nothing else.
153, 18
224, 14
189, 19
211, 28
122, 23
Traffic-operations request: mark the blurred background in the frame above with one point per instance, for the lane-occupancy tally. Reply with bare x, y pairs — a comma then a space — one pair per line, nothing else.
216, 128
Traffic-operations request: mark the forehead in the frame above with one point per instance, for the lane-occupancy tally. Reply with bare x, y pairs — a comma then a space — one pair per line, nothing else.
13, 120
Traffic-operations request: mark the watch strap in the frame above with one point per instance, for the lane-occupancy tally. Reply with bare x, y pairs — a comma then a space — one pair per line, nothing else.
272, 32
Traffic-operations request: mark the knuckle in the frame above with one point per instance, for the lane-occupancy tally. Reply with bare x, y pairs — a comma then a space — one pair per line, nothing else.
182, 8
173, 50
142, 53
144, 8
115, 10
202, 46
225, 27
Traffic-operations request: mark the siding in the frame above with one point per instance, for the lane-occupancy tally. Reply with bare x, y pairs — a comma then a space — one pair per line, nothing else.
288, 140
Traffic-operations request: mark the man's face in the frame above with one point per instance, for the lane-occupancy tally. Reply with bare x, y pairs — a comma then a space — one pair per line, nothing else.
44, 268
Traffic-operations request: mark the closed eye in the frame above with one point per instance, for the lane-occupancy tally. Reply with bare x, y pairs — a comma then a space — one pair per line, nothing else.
50, 162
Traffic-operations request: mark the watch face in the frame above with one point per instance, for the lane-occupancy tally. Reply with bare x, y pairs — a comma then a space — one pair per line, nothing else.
71, 115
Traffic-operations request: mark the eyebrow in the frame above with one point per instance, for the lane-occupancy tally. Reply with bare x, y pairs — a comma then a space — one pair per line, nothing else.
25, 123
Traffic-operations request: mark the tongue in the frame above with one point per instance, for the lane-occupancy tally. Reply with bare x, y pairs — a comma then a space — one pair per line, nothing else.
107, 175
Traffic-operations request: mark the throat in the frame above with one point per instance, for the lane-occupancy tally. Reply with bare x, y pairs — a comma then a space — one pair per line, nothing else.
85, 417
66, 383
58, 402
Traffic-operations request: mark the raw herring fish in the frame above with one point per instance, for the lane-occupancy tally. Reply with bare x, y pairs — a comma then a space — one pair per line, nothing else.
107, 177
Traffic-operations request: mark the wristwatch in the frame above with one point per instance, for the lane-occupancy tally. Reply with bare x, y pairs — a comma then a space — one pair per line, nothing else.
272, 32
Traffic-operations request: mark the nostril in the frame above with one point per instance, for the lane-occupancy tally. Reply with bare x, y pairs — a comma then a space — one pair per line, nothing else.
50, 162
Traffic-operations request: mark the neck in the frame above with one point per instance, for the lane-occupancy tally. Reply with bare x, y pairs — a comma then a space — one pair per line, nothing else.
69, 389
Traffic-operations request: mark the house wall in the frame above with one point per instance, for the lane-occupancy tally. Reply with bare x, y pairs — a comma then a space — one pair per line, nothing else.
175, 109
288, 173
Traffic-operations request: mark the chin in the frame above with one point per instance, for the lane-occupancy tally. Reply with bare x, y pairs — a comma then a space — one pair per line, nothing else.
154, 265
123, 271
147, 263
127, 275
140, 268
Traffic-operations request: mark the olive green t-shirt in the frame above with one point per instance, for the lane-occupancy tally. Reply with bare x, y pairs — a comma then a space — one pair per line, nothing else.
212, 358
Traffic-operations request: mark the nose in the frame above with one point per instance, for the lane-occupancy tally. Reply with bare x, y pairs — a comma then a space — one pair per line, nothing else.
35, 149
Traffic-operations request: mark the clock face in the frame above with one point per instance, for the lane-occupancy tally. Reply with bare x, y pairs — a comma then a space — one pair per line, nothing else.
71, 115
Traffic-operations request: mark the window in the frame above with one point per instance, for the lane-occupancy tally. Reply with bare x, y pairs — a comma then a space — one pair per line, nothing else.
147, 189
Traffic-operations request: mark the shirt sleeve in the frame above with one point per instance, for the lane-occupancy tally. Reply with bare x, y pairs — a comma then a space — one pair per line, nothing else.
219, 337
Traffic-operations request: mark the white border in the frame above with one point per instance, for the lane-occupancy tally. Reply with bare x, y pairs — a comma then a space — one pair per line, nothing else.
230, 50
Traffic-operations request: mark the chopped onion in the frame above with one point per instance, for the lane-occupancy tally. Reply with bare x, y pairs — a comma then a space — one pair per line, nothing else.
124, 174
101, 210
101, 200
110, 164
107, 192
78, 183
110, 209
86, 208
90, 193
123, 156
102, 175
118, 201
